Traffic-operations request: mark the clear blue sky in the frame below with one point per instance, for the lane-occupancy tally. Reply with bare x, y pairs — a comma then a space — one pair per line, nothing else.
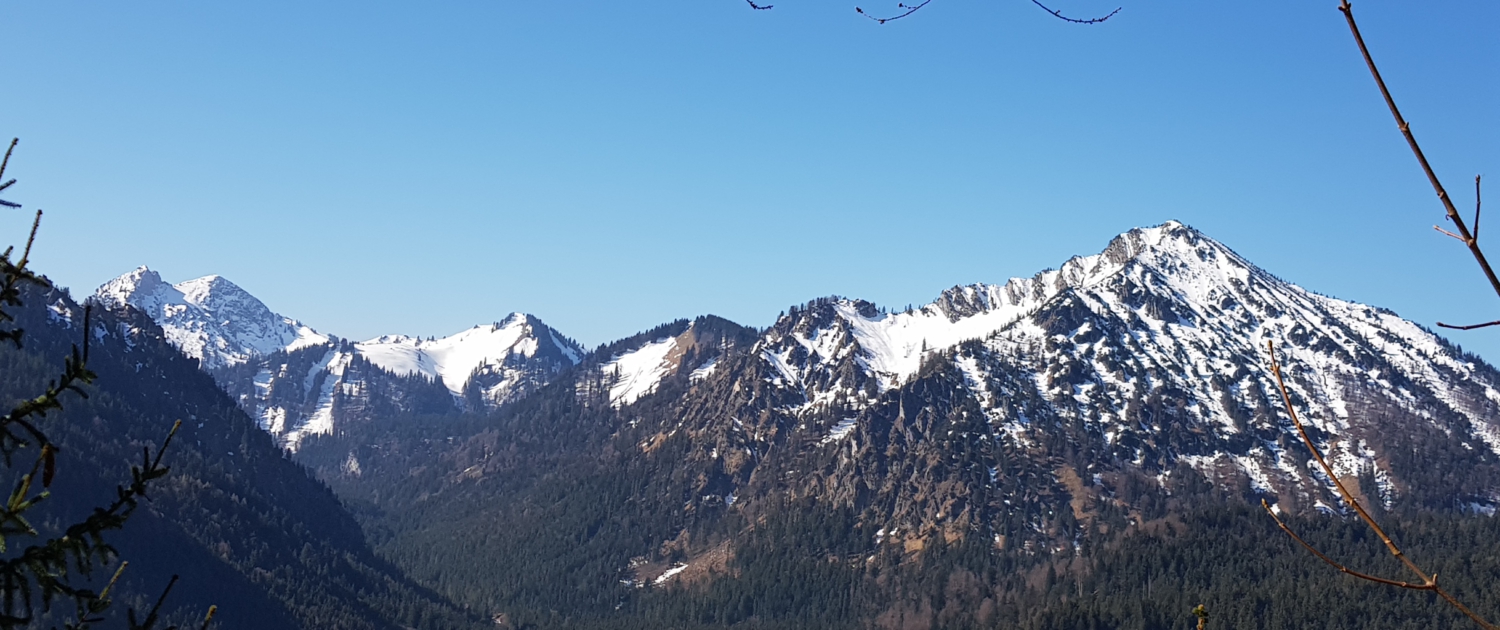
418, 167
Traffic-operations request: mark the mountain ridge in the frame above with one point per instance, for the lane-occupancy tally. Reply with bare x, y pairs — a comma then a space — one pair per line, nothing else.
298, 382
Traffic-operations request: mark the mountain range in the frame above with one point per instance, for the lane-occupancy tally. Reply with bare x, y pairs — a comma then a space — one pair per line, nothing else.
1041, 423
299, 382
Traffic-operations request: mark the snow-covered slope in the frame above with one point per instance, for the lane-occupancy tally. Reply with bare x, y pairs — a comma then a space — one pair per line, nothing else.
209, 318
1182, 294
313, 391
299, 382
503, 346
635, 367
1147, 359
637, 372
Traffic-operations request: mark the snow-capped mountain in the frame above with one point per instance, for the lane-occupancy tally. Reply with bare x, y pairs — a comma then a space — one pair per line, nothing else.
209, 318
631, 368
492, 358
316, 390
299, 382
1044, 419
1142, 366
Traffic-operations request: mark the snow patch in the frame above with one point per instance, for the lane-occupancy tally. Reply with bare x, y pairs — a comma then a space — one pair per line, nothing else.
704, 370
638, 372
669, 574
839, 431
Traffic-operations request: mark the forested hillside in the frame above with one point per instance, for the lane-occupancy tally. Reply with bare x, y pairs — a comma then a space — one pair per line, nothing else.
246, 527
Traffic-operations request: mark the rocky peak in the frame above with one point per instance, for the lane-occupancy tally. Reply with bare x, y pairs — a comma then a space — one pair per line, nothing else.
141, 288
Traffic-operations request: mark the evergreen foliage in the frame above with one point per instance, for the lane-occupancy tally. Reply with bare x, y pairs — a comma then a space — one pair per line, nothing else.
58, 564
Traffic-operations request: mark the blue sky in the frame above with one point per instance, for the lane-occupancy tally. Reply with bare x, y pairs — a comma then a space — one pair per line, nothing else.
416, 168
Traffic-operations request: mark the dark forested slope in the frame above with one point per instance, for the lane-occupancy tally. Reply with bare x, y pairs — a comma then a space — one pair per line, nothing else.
246, 527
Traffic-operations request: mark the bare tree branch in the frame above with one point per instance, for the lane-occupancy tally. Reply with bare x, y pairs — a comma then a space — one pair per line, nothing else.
1476, 207
908, 9
1324, 557
758, 7
1470, 240
1429, 582
1470, 326
1060, 16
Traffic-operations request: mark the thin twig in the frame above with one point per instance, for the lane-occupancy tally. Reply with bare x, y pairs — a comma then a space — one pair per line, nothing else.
155, 610
757, 7
1429, 582
1058, 14
1411, 141
105, 593
1470, 326
6, 162
1323, 463
910, 9
1476, 207
1460, 238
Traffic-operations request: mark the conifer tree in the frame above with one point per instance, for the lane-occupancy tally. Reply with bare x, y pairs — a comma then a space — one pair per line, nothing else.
36, 569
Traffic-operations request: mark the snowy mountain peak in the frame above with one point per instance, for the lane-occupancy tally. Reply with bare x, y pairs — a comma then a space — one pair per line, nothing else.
1171, 262
142, 288
496, 350
1161, 314
304, 383
1151, 246
209, 318
218, 295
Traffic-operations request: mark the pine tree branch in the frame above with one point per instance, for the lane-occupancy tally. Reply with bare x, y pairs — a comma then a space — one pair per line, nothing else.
6, 162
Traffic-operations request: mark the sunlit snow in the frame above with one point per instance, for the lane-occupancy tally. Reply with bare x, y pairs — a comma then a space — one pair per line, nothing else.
637, 373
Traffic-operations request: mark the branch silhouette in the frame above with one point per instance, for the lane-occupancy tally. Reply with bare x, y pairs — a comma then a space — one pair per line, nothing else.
908, 9
1464, 235
1428, 581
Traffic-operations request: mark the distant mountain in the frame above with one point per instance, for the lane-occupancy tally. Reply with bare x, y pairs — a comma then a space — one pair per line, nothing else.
209, 318
299, 382
246, 528
489, 364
